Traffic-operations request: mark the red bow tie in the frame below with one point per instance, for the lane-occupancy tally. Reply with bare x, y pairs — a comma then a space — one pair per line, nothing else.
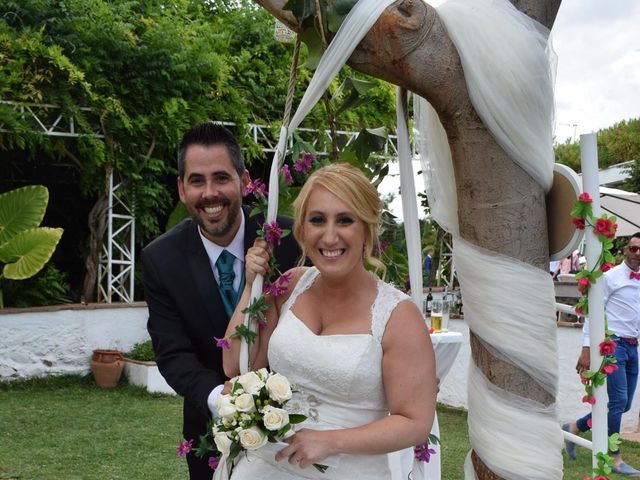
634, 275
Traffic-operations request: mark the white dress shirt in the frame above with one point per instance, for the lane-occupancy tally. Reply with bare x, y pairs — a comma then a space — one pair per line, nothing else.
621, 304
236, 247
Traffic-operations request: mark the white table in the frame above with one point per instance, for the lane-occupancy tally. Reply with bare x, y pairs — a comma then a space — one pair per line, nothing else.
446, 346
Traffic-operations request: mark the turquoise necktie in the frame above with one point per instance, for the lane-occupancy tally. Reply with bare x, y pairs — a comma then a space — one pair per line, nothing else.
224, 264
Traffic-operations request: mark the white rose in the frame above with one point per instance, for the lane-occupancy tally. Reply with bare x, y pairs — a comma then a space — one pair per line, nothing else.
226, 408
219, 399
279, 388
263, 373
274, 418
223, 442
244, 403
251, 383
252, 438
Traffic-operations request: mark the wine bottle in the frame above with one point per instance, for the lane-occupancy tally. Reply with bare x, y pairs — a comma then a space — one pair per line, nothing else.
428, 303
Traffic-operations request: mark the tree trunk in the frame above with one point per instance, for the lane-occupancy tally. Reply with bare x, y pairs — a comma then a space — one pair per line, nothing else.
500, 207
97, 227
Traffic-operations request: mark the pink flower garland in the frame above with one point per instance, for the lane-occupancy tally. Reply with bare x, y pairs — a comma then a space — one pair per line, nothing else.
605, 228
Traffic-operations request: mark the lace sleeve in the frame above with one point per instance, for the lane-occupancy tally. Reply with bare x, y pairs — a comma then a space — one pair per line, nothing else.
386, 301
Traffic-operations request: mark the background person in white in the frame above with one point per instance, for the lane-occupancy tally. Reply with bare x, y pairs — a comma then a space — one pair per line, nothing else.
622, 308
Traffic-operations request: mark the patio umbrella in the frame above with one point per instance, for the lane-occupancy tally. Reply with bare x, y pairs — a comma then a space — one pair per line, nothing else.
625, 206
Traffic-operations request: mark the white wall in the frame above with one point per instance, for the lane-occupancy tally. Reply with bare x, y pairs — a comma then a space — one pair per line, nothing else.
55, 340
453, 390
45, 342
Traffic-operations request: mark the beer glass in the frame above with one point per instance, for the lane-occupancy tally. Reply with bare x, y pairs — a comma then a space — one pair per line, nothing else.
436, 315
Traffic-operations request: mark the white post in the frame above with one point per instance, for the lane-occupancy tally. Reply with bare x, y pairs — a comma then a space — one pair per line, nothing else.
591, 185
409, 200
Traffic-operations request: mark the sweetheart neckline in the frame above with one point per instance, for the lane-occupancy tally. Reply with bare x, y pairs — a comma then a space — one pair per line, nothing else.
298, 320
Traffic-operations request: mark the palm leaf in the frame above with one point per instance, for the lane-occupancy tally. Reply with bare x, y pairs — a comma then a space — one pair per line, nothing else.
21, 209
29, 251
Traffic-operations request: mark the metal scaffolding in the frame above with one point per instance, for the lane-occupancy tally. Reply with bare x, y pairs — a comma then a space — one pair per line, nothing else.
117, 259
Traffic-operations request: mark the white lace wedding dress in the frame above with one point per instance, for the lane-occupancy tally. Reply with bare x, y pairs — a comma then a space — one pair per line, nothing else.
339, 383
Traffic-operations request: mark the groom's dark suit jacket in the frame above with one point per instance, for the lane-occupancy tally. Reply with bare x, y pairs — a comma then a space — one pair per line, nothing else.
186, 313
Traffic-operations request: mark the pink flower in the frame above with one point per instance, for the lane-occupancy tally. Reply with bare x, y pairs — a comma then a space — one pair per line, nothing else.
383, 245
213, 462
609, 369
589, 423
605, 227
589, 399
578, 222
579, 310
601, 477
605, 267
423, 452
257, 187
286, 173
222, 343
584, 281
272, 233
184, 447
303, 164
607, 347
584, 197
279, 287
585, 380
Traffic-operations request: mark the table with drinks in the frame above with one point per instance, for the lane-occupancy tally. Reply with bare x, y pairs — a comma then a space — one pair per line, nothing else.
446, 346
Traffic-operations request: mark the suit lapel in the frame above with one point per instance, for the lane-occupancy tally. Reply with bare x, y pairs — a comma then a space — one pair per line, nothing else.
200, 268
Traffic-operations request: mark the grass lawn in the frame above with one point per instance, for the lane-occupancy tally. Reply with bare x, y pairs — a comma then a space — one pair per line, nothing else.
66, 428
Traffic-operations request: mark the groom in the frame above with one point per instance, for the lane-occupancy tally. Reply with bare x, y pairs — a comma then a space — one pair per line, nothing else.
193, 273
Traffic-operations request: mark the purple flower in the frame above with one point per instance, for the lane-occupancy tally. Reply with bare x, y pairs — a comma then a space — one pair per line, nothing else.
286, 173
213, 462
423, 452
184, 447
222, 343
258, 188
272, 233
303, 164
383, 245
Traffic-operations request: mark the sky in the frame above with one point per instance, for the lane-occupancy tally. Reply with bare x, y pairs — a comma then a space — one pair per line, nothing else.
597, 43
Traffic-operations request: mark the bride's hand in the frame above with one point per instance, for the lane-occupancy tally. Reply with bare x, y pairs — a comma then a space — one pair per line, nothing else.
307, 447
257, 260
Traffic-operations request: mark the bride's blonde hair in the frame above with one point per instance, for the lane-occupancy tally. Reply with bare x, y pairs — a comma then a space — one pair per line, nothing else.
351, 186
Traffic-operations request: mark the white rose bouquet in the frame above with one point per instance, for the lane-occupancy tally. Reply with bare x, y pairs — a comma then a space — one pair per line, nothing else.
250, 415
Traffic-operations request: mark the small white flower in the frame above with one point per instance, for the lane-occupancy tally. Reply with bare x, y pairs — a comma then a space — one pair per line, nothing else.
226, 408
263, 373
223, 442
245, 403
274, 418
251, 383
252, 438
279, 388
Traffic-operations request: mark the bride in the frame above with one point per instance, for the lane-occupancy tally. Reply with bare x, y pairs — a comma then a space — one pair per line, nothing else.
356, 349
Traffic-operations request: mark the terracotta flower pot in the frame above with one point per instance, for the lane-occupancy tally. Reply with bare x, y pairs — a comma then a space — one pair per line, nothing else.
107, 366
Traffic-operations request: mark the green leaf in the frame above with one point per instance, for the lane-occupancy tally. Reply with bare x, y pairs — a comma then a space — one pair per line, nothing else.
29, 251
301, 9
22, 209
369, 140
296, 418
178, 214
613, 442
311, 38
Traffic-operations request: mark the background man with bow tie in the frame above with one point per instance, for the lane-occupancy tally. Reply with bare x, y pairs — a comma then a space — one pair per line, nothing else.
193, 273
622, 309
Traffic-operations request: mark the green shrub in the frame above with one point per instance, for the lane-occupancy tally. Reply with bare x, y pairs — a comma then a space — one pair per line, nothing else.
142, 351
48, 287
